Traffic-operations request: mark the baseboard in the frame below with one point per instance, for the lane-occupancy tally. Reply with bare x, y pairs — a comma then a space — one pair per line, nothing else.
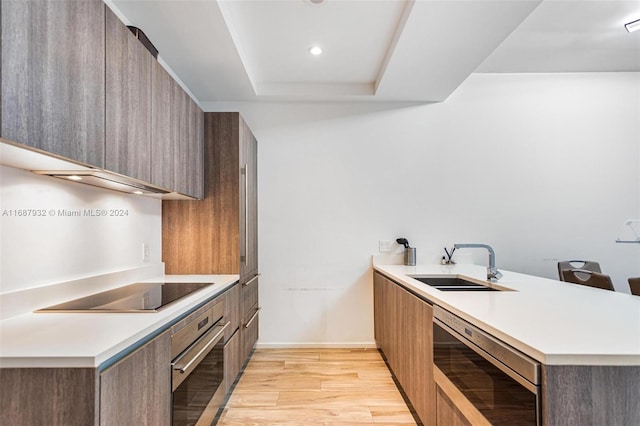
316, 345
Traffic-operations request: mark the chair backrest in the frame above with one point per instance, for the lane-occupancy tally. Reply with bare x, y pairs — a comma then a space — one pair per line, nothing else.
587, 265
588, 278
634, 285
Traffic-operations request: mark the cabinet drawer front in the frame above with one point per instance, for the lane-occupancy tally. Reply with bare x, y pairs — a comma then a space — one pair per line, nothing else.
182, 334
232, 309
249, 333
249, 298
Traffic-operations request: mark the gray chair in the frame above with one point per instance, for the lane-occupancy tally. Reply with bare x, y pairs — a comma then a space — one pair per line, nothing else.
588, 278
634, 285
587, 265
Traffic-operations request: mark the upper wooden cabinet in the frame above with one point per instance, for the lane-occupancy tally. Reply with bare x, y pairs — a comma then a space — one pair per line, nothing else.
128, 102
187, 133
53, 77
76, 83
163, 149
177, 135
207, 237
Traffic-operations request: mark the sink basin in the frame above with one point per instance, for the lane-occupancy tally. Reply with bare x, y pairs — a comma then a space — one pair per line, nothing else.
454, 284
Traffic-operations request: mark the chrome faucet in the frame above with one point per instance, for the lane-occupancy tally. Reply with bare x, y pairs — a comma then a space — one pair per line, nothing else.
492, 272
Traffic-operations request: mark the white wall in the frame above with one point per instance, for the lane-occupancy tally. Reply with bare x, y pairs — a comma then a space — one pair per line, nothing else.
542, 167
37, 251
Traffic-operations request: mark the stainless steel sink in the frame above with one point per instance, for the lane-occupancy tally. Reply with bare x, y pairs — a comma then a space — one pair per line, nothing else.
454, 284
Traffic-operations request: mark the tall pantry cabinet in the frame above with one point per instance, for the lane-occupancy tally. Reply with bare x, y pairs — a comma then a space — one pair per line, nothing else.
219, 235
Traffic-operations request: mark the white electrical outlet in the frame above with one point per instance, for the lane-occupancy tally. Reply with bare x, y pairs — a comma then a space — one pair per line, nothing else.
384, 246
145, 252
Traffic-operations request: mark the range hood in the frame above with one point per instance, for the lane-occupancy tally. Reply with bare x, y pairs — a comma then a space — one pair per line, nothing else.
46, 164
104, 179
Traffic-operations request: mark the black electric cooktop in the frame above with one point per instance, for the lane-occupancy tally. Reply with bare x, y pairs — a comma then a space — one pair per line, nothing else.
140, 297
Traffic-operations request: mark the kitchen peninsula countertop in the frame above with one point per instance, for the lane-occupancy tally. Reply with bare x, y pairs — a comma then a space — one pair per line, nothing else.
554, 322
91, 339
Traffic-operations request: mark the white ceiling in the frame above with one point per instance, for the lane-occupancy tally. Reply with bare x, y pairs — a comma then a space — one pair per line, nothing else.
383, 50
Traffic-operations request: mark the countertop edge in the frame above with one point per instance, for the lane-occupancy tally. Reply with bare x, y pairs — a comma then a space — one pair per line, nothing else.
135, 340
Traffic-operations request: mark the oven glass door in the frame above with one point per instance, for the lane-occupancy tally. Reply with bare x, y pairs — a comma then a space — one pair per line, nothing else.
501, 399
199, 396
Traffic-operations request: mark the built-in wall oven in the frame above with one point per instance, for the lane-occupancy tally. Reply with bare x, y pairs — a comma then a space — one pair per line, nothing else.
502, 383
198, 366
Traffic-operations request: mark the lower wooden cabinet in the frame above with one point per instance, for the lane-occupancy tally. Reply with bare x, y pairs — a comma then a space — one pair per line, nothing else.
137, 389
232, 310
250, 312
403, 331
48, 396
249, 334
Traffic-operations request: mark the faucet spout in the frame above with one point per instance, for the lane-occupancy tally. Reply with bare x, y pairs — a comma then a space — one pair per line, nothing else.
492, 272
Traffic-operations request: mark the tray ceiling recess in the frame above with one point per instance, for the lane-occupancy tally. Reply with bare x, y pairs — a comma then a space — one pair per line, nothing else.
382, 50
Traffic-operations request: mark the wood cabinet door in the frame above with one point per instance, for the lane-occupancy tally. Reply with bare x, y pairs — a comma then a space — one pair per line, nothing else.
53, 77
128, 102
195, 152
177, 134
248, 147
249, 298
163, 155
233, 360
249, 334
137, 389
187, 134
404, 323
232, 310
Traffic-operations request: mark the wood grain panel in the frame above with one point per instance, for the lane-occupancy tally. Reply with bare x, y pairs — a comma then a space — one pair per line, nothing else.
248, 202
249, 299
591, 395
194, 172
201, 237
403, 326
416, 347
128, 102
163, 156
137, 389
249, 334
232, 360
53, 77
232, 310
48, 396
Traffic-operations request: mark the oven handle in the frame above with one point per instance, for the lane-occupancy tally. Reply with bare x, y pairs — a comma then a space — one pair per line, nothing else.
490, 358
215, 339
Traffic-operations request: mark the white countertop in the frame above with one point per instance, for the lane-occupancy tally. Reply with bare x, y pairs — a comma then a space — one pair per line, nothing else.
89, 339
551, 321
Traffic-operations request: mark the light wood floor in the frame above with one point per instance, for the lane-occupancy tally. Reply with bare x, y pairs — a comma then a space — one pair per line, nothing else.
316, 387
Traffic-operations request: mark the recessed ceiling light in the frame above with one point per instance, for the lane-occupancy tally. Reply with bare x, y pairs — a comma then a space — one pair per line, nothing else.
74, 177
138, 192
315, 50
633, 26
316, 1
